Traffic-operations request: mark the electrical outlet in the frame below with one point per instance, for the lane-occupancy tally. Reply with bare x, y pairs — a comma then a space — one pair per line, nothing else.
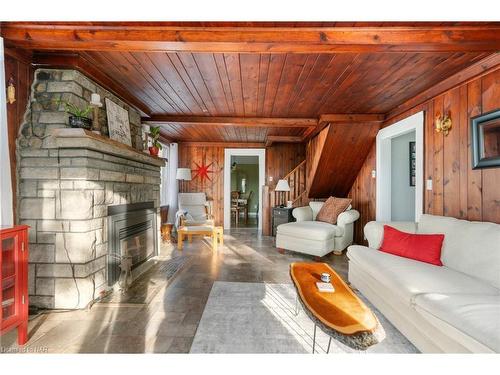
374, 173
270, 178
428, 184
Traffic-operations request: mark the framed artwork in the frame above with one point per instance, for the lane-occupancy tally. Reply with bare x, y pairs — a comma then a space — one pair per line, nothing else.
118, 124
485, 148
413, 163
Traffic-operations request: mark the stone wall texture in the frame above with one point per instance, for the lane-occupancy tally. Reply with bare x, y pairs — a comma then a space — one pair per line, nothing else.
64, 193
47, 112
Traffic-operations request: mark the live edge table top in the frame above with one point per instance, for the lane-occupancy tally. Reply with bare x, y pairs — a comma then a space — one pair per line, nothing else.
342, 310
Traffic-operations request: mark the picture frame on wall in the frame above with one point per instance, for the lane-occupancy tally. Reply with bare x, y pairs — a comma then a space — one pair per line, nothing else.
485, 145
413, 163
118, 123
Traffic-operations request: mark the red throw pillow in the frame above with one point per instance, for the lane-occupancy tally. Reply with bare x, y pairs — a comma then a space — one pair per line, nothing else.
423, 247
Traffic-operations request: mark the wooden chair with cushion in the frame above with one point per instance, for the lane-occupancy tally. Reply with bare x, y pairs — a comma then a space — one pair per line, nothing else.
235, 207
244, 206
195, 209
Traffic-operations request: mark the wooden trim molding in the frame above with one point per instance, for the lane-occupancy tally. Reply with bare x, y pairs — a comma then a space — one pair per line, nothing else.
80, 63
177, 38
232, 121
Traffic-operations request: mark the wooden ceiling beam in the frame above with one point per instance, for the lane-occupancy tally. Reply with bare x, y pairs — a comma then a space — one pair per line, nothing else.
354, 117
158, 37
282, 138
78, 62
224, 144
254, 122
344, 118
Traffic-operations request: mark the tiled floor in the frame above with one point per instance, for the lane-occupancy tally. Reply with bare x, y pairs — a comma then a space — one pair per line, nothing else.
252, 222
168, 323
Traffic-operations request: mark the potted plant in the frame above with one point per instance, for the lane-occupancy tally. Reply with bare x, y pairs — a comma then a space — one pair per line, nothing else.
78, 118
154, 134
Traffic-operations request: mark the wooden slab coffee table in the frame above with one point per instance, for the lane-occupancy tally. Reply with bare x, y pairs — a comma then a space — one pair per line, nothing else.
342, 314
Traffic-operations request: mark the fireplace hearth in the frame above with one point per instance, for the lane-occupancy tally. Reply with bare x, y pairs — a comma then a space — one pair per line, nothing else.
131, 235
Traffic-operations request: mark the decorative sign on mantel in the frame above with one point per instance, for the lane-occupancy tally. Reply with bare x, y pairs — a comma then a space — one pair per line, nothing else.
118, 123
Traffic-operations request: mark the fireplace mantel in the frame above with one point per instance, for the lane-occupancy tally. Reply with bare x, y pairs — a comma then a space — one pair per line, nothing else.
75, 138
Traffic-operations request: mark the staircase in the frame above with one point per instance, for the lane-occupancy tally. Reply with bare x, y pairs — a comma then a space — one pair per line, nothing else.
297, 180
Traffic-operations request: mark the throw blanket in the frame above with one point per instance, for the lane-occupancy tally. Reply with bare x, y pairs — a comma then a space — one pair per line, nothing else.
181, 214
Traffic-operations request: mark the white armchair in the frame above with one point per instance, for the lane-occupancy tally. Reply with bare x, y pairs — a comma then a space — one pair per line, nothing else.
194, 209
308, 236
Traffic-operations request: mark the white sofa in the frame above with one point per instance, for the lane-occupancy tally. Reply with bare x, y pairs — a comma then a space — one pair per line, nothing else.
454, 308
308, 236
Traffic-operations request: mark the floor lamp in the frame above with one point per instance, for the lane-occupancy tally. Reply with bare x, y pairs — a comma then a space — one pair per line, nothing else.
183, 174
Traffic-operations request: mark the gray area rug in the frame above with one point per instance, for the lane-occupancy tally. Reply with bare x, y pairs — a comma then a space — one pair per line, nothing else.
147, 285
260, 318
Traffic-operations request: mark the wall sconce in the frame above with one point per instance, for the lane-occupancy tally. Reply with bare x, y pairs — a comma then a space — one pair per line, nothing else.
11, 91
443, 124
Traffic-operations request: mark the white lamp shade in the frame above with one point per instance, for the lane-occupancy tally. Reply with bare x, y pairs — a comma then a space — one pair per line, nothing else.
95, 100
183, 174
282, 185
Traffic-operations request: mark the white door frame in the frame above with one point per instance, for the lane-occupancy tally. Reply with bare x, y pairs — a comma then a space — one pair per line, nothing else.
228, 152
383, 183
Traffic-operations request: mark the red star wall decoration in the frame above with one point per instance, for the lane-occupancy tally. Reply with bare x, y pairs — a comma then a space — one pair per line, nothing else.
202, 171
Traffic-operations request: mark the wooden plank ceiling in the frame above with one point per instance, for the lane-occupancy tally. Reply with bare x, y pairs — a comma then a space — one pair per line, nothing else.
272, 85
231, 70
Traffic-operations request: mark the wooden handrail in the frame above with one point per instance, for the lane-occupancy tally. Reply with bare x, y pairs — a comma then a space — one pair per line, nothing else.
296, 179
303, 162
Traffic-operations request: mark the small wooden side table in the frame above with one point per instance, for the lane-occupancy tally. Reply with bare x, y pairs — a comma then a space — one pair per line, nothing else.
166, 232
216, 233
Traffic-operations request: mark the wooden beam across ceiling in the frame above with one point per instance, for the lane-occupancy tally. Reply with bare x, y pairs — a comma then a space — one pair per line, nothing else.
255, 122
344, 118
282, 138
224, 144
351, 117
78, 62
178, 38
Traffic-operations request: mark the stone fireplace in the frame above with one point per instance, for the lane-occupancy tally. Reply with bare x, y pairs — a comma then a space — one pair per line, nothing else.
71, 182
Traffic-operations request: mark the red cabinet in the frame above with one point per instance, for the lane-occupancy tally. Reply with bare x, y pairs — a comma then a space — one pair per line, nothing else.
14, 281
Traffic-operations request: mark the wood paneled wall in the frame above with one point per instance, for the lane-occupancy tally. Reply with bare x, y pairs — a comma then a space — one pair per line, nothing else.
188, 156
458, 191
17, 68
363, 195
281, 158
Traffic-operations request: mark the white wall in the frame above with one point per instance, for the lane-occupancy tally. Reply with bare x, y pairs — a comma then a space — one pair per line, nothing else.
402, 194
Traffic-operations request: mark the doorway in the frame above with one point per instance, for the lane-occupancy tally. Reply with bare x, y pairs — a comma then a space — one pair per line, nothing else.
244, 191
244, 175
399, 193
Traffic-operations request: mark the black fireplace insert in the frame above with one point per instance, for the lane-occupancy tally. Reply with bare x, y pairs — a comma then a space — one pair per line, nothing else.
132, 233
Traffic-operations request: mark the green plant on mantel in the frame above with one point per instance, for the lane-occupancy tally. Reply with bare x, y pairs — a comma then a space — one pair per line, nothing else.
154, 134
74, 110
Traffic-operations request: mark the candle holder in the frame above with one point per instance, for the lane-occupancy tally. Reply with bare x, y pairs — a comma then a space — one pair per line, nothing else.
95, 103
